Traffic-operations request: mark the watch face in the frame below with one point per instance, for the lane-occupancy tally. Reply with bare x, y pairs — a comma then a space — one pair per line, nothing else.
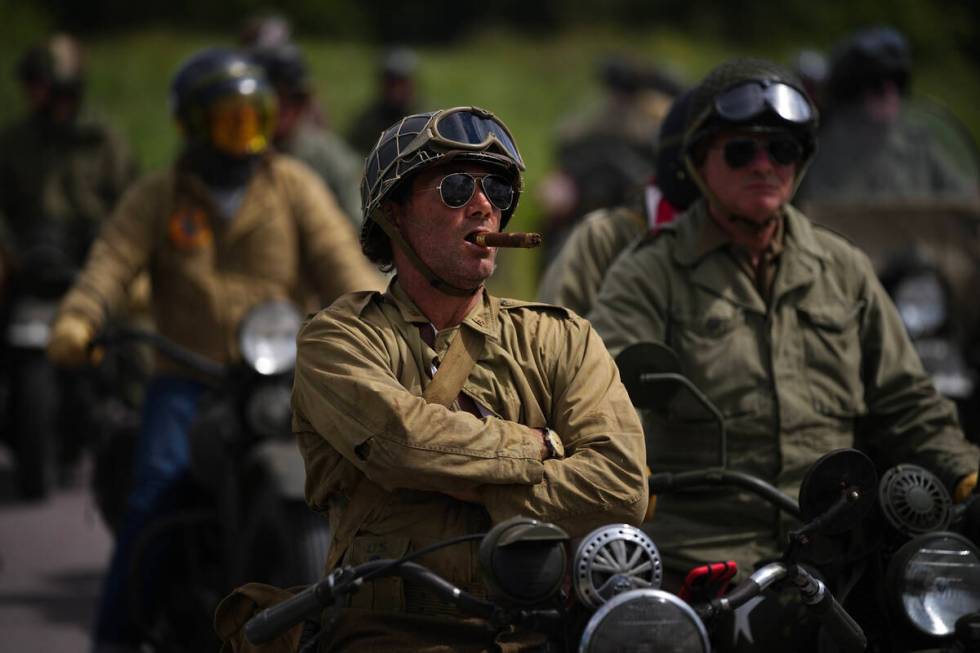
554, 444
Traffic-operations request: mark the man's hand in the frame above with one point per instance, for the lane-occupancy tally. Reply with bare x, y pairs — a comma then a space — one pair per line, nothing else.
965, 487
70, 340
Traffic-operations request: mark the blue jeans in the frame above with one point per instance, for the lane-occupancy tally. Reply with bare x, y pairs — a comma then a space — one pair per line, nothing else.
161, 467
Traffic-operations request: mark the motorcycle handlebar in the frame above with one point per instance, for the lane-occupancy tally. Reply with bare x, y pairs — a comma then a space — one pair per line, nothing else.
276, 620
846, 633
665, 482
170, 349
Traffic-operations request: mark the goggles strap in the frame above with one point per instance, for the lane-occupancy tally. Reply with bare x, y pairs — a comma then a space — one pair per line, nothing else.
381, 217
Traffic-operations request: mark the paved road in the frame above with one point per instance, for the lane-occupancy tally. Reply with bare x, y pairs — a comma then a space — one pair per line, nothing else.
52, 556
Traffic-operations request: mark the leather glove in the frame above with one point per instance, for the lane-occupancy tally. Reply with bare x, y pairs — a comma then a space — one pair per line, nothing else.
965, 487
70, 340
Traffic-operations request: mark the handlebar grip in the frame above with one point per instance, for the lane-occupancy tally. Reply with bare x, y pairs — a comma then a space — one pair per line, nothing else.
273, 622
847, 634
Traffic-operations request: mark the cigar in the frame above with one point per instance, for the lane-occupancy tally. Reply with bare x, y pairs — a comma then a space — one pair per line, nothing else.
499, 239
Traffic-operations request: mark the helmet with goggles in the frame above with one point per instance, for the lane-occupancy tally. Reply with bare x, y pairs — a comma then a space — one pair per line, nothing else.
424, 140
222, 100
750, 94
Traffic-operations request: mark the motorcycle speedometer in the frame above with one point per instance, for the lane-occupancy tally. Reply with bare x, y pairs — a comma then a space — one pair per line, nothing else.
645, 620
267, 337
921, 301
934, 580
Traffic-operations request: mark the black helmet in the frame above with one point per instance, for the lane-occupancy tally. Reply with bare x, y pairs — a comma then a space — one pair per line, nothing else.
672, 177
752, 94
425, 140
867, 58
284, 66
222, 100
57, 61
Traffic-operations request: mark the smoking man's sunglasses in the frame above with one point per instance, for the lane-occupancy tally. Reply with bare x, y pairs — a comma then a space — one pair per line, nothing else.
456, 189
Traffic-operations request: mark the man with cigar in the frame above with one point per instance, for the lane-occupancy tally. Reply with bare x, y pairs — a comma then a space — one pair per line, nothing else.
537, 422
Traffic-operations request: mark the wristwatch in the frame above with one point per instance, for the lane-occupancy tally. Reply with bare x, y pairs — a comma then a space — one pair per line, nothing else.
551, 440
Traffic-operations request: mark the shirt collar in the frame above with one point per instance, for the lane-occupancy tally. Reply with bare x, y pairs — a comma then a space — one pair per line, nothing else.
481, 318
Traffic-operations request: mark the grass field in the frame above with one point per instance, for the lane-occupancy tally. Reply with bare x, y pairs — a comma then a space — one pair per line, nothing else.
530, 82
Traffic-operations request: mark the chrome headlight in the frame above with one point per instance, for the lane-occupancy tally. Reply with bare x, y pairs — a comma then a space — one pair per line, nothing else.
267, 338
921, 301
645, 620
935, 580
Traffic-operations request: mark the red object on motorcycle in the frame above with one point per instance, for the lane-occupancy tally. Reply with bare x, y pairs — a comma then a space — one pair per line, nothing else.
708, 581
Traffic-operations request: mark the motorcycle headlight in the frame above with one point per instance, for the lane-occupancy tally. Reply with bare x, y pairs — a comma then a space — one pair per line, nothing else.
935, 580
921, 301
645, 620
267, 338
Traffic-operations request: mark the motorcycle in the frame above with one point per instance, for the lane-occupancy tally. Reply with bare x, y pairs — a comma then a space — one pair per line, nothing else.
245, 516
887, 548
36, 393
607, 599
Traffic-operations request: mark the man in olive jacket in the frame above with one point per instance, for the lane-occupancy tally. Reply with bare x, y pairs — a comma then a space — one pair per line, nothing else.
781, 323
229, 226
542, 426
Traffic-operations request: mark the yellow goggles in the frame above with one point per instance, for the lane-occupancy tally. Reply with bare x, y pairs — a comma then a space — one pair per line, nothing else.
241, 125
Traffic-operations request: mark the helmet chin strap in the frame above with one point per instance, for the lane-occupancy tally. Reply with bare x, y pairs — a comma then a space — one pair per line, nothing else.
384, 221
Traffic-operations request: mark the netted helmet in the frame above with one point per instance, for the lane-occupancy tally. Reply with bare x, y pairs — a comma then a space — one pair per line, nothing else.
425, 140
866, 59
752, 94
221, 99
57, 61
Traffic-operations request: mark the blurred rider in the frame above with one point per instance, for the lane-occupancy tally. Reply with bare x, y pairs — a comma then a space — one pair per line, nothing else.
229, 225
396, 98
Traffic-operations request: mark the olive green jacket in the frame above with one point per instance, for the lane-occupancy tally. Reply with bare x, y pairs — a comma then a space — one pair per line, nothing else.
573, 278
360, 417
827, 365
288, 238
77, 172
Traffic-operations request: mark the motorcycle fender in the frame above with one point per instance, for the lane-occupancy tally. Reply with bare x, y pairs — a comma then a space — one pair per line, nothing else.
283, 466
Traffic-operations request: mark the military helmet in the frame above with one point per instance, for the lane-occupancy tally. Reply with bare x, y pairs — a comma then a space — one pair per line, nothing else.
221, 99
57, 61
867, 58
753, 94
284, 66
424, 140
672, 177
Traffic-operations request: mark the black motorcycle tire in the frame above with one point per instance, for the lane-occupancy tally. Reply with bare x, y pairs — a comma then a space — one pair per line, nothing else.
34, 412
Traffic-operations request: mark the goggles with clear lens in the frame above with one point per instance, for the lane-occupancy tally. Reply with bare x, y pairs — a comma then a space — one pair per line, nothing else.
457, 189
468, 128
748, 100
782, 150
241, 125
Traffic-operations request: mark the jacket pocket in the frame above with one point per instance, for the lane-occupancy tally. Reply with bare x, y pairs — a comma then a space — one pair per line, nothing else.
716, 349
832, 349
385, 594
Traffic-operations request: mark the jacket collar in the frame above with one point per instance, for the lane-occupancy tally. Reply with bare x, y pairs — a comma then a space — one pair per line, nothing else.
699, 240
481, 318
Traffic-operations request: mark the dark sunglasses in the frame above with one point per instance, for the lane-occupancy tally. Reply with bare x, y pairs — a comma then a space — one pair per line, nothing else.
456, 189
783, 150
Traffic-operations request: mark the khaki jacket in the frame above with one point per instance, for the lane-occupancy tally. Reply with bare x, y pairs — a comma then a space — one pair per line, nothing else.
287, 238
827, 365
573, 278
360, 418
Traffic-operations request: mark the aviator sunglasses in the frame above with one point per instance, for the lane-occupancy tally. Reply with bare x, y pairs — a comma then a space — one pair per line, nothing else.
456, 189
782, 150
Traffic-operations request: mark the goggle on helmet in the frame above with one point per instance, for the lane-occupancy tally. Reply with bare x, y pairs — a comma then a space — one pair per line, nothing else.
424, 140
